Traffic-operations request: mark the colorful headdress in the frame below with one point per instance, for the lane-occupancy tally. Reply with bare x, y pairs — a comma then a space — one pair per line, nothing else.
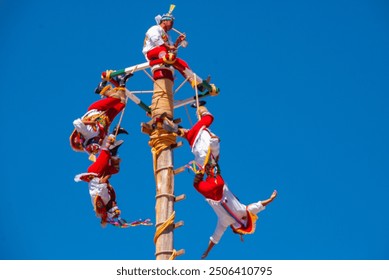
167, 16
76, 141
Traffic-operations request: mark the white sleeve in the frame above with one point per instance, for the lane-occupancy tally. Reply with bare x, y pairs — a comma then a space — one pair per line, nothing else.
155, 36
218, 233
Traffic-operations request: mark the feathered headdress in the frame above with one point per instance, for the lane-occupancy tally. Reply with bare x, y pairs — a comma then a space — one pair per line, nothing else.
167, 16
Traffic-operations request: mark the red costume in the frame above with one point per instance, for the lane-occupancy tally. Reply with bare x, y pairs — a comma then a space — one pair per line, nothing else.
192, 134
103, 165
102, 194
111, 107
161, 55
103, 112
211, 188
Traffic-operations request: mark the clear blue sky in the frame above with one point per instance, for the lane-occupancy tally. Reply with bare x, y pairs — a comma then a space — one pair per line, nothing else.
303, 109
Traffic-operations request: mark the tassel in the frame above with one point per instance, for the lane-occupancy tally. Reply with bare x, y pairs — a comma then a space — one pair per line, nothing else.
172, 6
92, 157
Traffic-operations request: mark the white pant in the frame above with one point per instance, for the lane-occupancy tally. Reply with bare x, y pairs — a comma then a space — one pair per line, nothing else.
204, 142
98, 189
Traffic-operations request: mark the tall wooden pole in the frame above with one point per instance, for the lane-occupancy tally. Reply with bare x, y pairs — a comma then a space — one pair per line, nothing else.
162, 143
162, 102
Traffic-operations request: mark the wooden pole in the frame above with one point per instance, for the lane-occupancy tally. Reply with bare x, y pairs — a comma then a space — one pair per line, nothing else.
162, 102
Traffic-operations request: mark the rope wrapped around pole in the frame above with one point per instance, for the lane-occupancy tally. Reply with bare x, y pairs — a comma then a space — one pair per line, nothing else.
164, 226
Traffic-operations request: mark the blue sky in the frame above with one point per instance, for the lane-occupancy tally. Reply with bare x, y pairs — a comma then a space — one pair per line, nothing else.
302, 109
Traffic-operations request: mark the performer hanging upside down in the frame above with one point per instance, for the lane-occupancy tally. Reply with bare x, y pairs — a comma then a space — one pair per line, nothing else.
159, 49
205, 146
102, 193
229, 210
204, 143
93, 127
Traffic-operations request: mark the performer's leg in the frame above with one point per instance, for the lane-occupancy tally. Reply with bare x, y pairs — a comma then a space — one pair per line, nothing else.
114, 111
181, 65
101, 163
192, 133
156, 53
255, 207
104, 104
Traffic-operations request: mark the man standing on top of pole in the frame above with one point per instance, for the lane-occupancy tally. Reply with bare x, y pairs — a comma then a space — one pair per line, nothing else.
159, 50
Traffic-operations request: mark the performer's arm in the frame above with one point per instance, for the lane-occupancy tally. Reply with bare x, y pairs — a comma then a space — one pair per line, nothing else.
209, 248
170, 47
197, 179
215, 238
93, 123
179, 40
82, 126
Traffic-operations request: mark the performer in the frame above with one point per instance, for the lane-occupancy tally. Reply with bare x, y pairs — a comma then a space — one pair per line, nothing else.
158, 48
93, 127
102, 193
205, 145
229, 210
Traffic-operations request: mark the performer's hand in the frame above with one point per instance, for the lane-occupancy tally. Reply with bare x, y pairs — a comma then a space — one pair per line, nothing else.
111, 139
172, 48
181, 38
198, 178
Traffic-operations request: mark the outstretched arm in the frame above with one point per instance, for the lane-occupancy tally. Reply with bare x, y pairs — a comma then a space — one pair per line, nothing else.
270, 199
209, 248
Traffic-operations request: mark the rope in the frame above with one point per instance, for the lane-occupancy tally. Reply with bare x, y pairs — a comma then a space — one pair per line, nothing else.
181, 85
163, 168
105, 89
165, 194
189, 118
118, 88
151, 78
197, 96
160, 140
174, 255
197, 101
120, 120
164, 226
195, 167
207, 158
